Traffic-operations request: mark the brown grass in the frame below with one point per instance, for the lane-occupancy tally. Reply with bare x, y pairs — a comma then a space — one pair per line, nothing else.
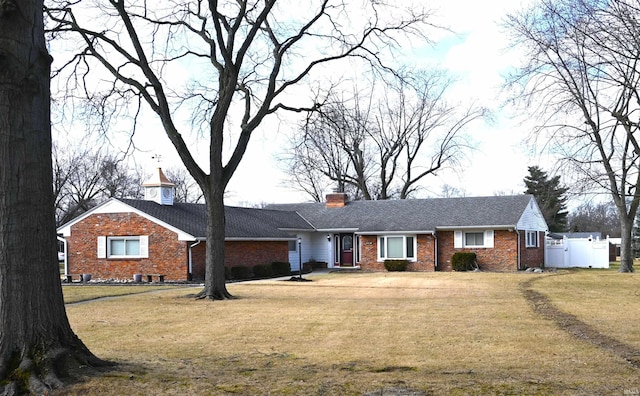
77, 293
382, 333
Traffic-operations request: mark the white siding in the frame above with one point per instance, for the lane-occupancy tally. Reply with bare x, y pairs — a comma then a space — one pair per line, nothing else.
532, 218
314, 246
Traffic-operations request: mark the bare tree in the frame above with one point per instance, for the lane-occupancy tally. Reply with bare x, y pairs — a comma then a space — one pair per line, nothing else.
242, 58
36, 340
84, 178
595, 216
186, 189
382, 144
581, 77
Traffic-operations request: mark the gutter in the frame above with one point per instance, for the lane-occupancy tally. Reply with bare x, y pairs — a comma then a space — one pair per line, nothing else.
435, 251
190, 274
518, 260
66, 255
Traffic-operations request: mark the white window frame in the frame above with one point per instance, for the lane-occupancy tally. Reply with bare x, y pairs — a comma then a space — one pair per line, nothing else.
475, 233
383, 247
460, 239
104, 246
532, 239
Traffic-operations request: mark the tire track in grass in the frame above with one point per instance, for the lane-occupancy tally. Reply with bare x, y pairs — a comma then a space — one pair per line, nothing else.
577, 328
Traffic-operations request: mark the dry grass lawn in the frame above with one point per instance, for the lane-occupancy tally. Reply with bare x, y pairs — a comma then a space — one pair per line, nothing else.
365, 333
79, 292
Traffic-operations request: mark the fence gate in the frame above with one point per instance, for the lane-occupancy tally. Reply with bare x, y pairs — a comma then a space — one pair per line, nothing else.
577, 253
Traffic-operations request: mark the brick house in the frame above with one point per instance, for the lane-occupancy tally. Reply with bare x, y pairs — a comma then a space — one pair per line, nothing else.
123, 237
506, 232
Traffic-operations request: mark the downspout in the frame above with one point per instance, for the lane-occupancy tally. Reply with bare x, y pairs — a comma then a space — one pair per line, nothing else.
518, 260
190, 274
66, 254
435, 251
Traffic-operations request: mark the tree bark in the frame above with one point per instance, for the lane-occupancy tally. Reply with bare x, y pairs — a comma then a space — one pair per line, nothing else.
215, 287
626, 251
35, 336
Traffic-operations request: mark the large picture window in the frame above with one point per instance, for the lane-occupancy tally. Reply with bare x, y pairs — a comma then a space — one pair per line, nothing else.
397, 247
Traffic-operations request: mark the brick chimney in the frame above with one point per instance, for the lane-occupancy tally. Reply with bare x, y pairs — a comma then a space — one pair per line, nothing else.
337, 199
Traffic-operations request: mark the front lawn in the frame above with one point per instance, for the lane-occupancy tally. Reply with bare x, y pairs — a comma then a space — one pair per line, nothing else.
365, 333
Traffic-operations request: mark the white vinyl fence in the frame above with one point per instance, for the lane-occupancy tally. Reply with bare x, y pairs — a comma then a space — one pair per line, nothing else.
577, 253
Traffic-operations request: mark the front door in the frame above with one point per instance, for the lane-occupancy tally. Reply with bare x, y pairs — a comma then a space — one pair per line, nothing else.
346, 250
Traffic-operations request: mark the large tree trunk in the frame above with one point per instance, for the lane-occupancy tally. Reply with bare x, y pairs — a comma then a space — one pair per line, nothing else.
215, 287
35, 338
626, 252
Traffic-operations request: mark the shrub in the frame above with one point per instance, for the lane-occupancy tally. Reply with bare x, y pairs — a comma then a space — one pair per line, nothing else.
240, 272
262, 271
396, 265
281, 268
463, 261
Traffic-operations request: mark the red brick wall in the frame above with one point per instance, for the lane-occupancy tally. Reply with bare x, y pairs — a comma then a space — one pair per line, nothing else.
245, 253
250, 253
502, 257
531, 256
167, 255
198, 260
369, 254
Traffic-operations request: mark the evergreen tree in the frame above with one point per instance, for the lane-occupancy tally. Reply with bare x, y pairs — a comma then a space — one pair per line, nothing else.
550, 196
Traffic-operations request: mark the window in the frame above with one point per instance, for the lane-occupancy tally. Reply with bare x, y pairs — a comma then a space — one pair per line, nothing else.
123, 247
357, 246
532, 238
396, 247
293, 246
474, 238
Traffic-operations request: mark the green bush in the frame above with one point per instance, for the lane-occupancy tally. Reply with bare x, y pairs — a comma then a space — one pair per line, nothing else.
281, 268
262, 271
396, 265
463, 261
240, 272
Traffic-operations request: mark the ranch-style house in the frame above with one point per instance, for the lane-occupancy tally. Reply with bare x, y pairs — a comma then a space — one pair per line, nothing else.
124, 237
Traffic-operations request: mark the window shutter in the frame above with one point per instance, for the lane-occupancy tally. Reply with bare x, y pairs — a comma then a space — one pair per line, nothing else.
488, 238
102, 247
144, 246
457, 239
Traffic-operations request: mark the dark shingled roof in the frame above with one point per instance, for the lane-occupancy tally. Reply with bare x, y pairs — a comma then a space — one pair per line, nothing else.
240, 222
414, 214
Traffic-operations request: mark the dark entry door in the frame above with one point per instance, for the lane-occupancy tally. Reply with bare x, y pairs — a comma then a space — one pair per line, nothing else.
346, 250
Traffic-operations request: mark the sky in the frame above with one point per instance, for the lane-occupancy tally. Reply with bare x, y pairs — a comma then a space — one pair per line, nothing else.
474, 52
